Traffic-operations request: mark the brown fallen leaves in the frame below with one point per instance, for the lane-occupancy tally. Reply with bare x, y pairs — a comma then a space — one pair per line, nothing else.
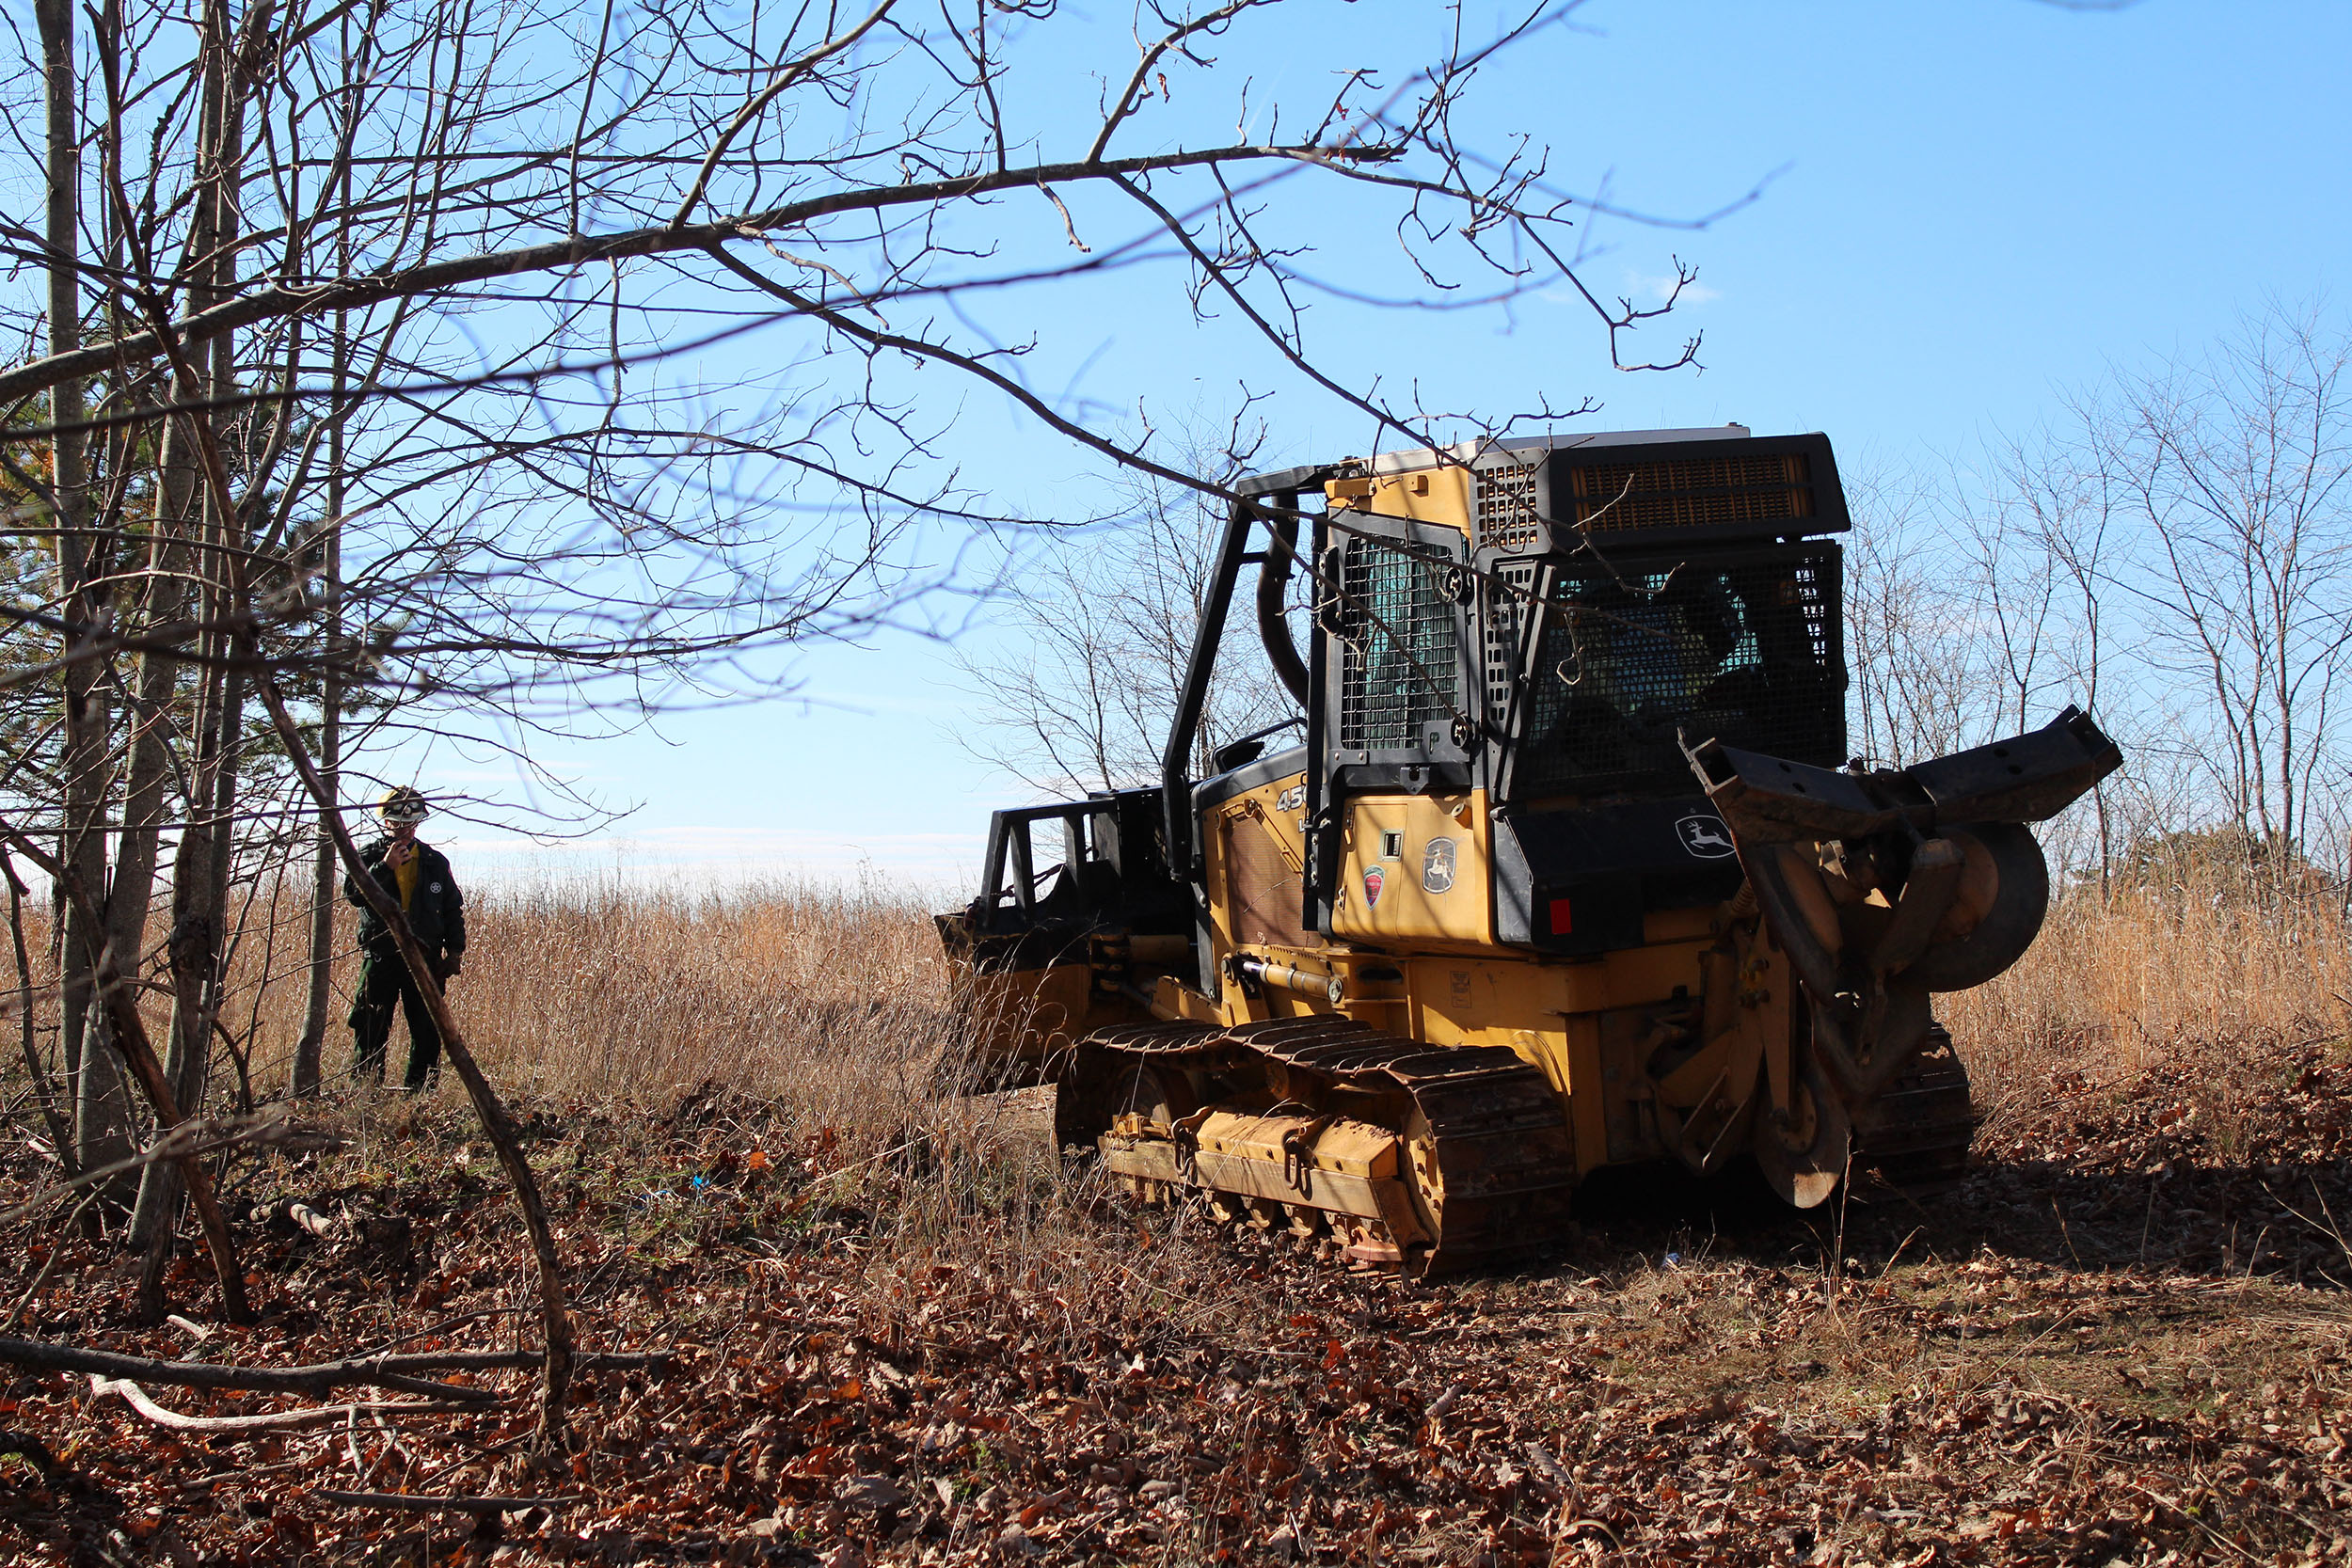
2117, 1343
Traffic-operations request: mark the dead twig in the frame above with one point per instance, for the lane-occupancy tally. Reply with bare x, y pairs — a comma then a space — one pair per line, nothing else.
274, 1421
379, 1371
439, 1505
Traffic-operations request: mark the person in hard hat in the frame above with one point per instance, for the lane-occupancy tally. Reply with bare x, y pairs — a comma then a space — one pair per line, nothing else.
417, 878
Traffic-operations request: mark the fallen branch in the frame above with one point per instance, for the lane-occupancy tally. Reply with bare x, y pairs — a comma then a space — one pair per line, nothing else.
274, 1421
324, 1227
438, 1505
555, 1322
378, 1371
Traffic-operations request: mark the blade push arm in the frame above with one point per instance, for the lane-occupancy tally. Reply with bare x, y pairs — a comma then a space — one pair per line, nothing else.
2027, 778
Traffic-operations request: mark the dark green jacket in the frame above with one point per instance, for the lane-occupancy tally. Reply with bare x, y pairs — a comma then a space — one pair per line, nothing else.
436, 910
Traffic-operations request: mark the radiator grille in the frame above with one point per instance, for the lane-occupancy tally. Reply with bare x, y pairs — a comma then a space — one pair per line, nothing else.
1401, 667
1747, 653
1689, 492
1266, 889
1503, 501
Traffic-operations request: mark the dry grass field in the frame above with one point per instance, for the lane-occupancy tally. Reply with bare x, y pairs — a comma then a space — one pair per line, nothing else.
596, 987
2116, 986
901, 1332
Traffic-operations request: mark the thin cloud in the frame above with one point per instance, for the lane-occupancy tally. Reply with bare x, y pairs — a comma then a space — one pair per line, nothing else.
1659, 289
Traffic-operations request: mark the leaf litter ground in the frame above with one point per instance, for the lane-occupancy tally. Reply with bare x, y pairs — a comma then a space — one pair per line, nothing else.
2123, 1339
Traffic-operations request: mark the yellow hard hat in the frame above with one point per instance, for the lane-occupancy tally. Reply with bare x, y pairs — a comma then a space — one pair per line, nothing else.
404, 805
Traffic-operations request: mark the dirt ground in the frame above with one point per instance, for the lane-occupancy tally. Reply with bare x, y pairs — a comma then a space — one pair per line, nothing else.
2123, 1339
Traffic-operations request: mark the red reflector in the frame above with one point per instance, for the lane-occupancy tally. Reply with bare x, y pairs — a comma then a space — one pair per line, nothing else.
1562, 921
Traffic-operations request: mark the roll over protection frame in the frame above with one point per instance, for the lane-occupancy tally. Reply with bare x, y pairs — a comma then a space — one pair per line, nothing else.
1274, 574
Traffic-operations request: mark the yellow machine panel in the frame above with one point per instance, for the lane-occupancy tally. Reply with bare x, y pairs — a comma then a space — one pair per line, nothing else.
1427, 496
1414, 871
1255, 861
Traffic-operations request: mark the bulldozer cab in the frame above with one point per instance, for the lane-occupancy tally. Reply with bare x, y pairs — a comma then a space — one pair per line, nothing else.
1625, 661
1544, 627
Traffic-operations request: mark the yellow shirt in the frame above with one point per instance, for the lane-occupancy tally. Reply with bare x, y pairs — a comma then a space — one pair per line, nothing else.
405, 874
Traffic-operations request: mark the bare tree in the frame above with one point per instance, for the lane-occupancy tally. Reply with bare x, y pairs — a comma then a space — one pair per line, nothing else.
2237, 469
397, 390
1078, 687
1917, 666
2174, 548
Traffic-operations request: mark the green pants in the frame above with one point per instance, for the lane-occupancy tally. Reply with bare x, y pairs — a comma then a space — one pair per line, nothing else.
384, 984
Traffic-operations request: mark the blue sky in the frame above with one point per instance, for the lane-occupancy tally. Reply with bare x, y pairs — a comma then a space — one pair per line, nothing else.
1972, 207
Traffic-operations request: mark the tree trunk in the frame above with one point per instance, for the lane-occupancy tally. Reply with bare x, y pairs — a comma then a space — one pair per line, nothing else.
102, 1111
199, 890
310, 1050
147, 779
149, 776
312, 1047
199, 903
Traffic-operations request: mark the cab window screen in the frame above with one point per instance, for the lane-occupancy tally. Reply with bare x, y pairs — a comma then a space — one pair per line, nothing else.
1399, 665
1748, 653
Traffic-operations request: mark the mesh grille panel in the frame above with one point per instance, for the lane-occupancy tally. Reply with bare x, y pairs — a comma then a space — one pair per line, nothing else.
1400, 668
1503, 499
1690, 492
1506, 617
1750, 655
1264, 887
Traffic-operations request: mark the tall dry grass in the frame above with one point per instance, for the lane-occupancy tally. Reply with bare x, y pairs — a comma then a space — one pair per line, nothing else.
610, 988
621, 998
603, 988
616, 993
831, 1002
629, 994
2138, 975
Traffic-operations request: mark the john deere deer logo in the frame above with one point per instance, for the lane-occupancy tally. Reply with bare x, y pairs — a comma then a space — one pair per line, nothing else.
1437, 865
1705, 837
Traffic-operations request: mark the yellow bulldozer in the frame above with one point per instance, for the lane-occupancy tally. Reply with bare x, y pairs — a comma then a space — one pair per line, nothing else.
1569, 869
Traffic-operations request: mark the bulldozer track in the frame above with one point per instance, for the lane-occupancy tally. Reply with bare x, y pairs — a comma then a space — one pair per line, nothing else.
1486, 1134
1915, 1134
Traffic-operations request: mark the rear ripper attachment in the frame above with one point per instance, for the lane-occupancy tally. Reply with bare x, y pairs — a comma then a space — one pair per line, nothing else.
1569, 867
